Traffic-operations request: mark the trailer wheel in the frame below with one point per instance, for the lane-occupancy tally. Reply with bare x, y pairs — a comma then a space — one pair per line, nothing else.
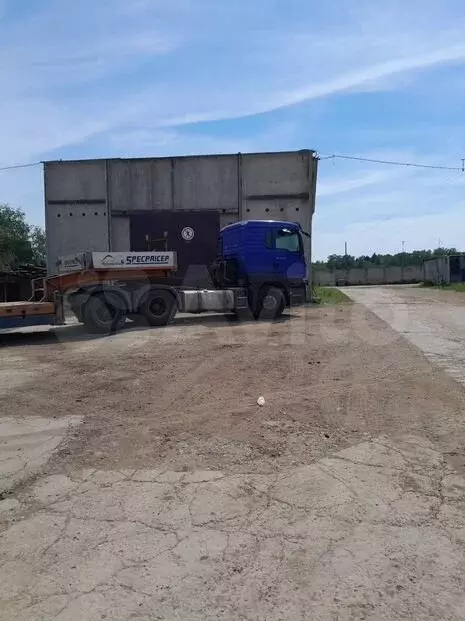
103, 314
271, 303
158, 307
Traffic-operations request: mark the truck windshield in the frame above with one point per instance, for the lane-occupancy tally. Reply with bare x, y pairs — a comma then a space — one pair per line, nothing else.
288, 240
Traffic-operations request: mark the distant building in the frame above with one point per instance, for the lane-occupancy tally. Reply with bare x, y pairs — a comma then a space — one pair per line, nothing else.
444, 270
15, 284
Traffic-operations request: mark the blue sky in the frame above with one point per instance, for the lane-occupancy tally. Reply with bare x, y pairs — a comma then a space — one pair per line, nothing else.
149, 77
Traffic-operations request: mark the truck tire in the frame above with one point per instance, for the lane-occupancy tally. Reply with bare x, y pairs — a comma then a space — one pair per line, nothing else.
103, 314
158, 307
271, 303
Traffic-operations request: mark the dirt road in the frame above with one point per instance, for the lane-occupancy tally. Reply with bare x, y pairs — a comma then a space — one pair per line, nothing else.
431, 319
175, 496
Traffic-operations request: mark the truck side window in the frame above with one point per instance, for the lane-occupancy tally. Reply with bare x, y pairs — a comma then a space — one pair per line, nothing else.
287, 240
269, 240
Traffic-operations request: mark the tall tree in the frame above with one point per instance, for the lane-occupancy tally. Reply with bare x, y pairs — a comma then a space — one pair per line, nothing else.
19, 242
39, 245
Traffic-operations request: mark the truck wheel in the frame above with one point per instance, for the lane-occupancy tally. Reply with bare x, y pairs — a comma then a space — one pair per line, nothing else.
103, 315
158, 307
271, 303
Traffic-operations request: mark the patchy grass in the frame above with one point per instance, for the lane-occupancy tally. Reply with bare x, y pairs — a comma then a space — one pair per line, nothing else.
331, 295
456, 286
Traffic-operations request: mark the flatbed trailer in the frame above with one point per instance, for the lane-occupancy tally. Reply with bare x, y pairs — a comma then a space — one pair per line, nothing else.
26, 314
102, 297
105, 277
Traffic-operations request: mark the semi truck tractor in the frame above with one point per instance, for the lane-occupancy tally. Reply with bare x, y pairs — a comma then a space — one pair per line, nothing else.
259, 271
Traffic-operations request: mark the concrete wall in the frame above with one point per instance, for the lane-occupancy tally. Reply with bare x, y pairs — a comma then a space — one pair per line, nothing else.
368, 276
270, 186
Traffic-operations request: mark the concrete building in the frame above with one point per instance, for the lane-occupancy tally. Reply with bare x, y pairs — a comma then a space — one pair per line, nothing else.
444, 270
180, 202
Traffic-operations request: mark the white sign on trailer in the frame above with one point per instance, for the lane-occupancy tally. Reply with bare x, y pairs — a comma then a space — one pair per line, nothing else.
72, 263
125, 260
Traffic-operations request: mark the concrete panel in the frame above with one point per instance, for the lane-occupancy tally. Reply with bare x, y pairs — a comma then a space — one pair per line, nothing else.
140, 184
291, 210
323, 278
369, 276
73, 181
412, 273
340, 277
73, 229
206, 182
393, 274
356, 276
228, 218
375, 276
276, 173
120, 237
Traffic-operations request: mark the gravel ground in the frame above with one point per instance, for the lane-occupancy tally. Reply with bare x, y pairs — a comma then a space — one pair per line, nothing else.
178, 497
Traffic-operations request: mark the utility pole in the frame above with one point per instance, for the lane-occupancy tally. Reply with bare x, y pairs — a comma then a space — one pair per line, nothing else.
345, 248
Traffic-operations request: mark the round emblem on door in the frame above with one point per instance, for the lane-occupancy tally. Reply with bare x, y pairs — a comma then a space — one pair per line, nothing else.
187, 233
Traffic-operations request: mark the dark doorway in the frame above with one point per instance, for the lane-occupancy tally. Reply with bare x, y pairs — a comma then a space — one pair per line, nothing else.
193, 235
455, 272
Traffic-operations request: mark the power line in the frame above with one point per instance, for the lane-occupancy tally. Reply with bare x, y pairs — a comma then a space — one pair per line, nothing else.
14, 166
392, 162
333, 156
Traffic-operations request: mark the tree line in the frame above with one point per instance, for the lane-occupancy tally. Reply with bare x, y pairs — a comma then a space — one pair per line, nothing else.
345, 262
20, 243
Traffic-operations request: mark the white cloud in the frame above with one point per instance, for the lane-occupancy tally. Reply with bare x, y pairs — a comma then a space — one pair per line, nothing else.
104, 65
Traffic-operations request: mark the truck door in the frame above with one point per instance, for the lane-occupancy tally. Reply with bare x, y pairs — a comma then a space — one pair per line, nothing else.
289, 260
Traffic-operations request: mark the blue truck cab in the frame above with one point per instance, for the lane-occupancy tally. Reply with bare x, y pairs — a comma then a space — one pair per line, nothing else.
267, 258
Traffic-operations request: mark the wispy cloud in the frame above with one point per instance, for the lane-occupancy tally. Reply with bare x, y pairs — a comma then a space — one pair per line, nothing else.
185, 64
147, 77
